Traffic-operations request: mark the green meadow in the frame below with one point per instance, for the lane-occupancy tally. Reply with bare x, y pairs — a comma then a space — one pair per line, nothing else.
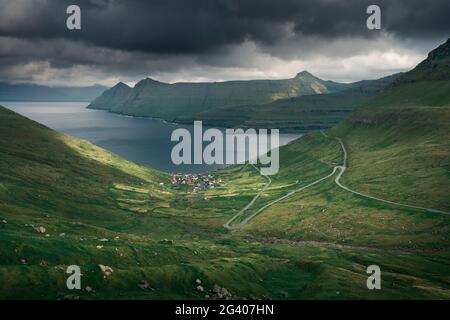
98, 208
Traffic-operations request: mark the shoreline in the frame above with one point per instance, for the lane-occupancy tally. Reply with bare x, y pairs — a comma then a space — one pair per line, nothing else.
206, 123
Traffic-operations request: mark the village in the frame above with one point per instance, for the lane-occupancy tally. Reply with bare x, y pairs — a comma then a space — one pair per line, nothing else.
196, 181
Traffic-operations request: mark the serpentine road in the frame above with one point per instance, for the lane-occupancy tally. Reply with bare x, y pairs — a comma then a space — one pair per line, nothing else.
338, 182
227, 224
342, 169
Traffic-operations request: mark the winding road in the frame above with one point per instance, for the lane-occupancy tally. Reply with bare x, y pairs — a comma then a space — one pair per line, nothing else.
243, 222
269, 181
342, 169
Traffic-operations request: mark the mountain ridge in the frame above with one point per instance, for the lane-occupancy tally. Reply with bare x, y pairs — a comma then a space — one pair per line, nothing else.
153, 98
303, 113
427, 84
436, 66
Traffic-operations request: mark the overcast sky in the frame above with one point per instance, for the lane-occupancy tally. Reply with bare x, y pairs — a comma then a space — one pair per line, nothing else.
214, 40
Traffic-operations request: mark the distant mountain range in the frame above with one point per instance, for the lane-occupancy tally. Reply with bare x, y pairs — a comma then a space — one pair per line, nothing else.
32, 92
302, 103
302, 113
152, 98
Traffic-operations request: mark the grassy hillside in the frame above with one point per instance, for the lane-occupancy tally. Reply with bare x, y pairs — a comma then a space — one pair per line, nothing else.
424, 93
98, 208
428, 84
396, 154
171, 101
408, 146
65, 201
436, 67
304, 113
400, 155
398, 151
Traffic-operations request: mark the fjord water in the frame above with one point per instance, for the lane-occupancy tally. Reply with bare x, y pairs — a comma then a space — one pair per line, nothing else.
143, 140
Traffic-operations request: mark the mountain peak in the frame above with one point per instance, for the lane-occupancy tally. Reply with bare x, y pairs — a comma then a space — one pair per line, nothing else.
121, 84
303, 74
119, 88
147, 82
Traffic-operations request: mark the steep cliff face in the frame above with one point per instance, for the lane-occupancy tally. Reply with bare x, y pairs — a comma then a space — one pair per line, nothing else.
116, 96
435, 67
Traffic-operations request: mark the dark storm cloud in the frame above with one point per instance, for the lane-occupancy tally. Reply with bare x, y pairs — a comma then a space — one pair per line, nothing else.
211, 39
196, 26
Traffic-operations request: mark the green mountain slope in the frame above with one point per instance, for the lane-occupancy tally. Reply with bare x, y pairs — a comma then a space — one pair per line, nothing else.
304, 113
170, 101
64, 201
426, 85
98, 208
397, 153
